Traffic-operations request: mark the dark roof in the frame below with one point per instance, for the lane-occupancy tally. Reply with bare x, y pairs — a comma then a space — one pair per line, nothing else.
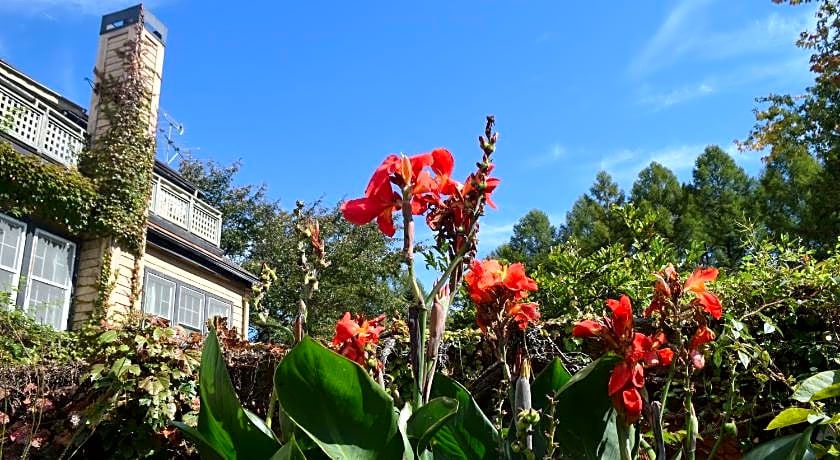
184, 244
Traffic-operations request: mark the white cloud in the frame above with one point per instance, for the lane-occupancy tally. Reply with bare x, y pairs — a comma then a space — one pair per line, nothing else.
664, 100
53, 9
491, 236
683, 36
554, 153
791, 71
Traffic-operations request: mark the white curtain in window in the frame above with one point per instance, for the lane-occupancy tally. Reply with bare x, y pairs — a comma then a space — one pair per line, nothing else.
159, 296
51, 265
11, 247
190, 308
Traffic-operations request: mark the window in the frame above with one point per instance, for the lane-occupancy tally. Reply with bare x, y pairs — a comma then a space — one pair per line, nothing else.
12, 236
45, 261
48, 283
159, 296
216, 307
190, 308
181, 303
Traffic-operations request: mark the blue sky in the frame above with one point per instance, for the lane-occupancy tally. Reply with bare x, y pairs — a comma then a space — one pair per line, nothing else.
312, 95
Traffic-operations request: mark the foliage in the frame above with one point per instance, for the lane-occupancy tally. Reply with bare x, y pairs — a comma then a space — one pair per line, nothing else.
656, 192
718, 200
120, 161
246, 209
532, 239
786, 192
109, 193
142, 378
788, 123
25, 342
33, 187
592, 221
361, 273
258, 233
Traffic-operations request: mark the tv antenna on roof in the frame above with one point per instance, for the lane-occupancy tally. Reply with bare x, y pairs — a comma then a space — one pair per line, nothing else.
171, 150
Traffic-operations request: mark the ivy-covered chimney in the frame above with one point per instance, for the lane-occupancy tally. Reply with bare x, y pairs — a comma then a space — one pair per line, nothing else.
119, 34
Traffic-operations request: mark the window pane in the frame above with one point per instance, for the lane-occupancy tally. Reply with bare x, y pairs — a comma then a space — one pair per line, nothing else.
51, 260
10, 243
190, 307
6, 278
159, 296
216, 307
46, 304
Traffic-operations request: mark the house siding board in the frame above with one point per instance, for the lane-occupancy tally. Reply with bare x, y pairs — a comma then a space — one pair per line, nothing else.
200, 278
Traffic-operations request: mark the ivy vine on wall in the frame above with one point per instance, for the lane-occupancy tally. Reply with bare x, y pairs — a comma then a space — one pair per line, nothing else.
109, 194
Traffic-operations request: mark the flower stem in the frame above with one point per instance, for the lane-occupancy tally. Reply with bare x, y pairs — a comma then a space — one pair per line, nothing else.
623, 430
418, 309
690, 421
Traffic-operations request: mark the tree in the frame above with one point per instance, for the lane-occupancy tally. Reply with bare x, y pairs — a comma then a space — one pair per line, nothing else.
245, 209
532, 239
719, 200
810, 121
363, 275
592, 221
786, 193
658, 192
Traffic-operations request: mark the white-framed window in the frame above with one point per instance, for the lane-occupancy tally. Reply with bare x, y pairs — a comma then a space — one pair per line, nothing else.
159, 296
183, 304
48, 283
190, 308
216, 307
12, 238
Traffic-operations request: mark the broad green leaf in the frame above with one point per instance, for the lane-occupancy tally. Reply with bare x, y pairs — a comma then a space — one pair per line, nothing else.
224, 428
791, 447
337, 404
426, 420
468, 434
586, 420
819, 386
788, 417
108, 337
289, 451
209, 449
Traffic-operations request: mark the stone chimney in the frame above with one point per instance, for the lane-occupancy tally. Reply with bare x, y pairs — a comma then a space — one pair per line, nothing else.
116, 35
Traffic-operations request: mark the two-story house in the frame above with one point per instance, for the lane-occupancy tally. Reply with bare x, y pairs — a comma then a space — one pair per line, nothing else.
54, 274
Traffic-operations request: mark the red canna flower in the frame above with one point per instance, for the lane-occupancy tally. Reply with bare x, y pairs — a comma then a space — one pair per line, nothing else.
353, 335
696, 283
497, 291
523, 313
381, 201
702, 336
636, 349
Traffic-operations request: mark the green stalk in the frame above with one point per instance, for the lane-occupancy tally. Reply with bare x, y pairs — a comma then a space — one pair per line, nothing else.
419, 303
690, 421
623, 430
671, 371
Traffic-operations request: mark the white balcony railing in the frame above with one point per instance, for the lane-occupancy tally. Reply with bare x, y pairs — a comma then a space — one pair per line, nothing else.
31, 122
186, 211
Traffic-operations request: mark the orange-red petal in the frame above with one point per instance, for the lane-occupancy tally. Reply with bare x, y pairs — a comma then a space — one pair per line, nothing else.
697, 281
346, 328
710, 303
588, 328
632, 402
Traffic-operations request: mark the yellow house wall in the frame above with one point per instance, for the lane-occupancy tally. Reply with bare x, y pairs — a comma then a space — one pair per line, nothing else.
203, 279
